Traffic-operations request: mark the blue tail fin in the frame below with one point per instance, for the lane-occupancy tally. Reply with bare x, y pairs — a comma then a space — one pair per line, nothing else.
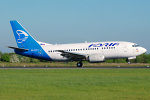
23, 38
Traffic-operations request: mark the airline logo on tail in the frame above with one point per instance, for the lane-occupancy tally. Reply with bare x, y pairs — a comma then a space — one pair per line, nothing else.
23, 36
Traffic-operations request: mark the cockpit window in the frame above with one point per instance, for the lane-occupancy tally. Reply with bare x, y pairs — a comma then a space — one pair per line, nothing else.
135, 45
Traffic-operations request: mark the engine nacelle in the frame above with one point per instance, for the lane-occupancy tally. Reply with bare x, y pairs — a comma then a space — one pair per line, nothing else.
95, 58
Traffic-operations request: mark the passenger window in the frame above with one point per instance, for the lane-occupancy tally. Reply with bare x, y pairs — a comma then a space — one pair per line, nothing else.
135, 45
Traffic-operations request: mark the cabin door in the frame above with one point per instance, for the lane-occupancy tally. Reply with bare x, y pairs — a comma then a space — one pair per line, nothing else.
125, 48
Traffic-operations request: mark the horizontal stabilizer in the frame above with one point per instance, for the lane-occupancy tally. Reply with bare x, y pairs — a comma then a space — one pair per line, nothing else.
21, 49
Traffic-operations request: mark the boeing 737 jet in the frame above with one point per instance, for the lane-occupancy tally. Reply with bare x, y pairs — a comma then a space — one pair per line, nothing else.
93, 52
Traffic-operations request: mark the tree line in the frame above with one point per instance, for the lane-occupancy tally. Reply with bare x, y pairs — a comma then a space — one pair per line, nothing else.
14, 58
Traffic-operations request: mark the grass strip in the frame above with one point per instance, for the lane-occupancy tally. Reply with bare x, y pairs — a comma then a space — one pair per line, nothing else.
74, 84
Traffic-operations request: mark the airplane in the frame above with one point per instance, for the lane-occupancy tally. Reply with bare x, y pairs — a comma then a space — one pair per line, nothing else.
94, 52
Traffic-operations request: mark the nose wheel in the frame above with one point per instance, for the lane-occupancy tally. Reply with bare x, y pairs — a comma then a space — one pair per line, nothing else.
79, 64
128, 61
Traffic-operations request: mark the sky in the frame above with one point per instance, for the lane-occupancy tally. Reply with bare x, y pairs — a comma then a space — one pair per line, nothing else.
77, 21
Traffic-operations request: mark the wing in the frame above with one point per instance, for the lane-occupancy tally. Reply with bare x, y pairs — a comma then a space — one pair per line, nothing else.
72, 56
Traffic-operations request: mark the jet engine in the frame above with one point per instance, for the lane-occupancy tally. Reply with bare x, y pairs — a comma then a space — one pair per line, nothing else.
95, 58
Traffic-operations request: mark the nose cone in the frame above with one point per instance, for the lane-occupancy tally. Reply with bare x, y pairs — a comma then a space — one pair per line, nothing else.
144, 50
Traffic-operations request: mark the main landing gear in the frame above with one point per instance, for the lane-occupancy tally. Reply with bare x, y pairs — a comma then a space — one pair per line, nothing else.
79, 64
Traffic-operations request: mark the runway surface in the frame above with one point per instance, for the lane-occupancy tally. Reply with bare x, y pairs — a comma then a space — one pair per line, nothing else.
75, 67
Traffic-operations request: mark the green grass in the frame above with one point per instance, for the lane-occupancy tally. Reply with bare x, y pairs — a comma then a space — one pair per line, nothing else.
74, 84
72, 64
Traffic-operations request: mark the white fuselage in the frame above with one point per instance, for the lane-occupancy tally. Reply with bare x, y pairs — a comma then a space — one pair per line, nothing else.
120, 50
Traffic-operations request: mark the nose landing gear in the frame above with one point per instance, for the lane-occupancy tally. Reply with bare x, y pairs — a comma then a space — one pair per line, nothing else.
128, 61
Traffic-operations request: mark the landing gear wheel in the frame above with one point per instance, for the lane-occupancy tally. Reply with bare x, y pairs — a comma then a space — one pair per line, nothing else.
129, 62
79, 64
